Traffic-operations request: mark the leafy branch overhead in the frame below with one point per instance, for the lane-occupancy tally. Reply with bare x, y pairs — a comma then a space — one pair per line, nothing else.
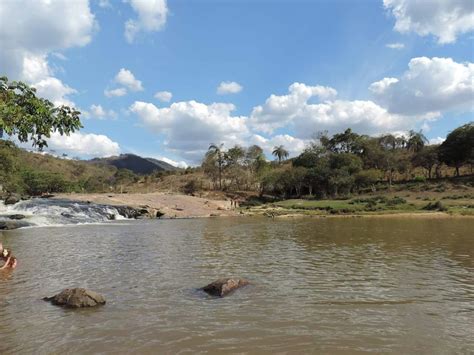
29, 117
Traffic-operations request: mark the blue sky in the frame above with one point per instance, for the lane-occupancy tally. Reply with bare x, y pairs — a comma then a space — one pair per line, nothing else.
337, 52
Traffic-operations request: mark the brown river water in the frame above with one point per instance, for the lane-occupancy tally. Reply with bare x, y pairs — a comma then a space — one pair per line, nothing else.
329, 285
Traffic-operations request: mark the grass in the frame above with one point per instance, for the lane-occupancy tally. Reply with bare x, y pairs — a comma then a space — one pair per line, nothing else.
374, 204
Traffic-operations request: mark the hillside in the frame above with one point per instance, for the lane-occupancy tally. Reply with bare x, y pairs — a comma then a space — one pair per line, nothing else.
135, 163
32, 172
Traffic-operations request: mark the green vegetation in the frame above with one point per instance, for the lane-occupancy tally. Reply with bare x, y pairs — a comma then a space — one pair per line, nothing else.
341, 165
388, 203
29, 117
330, 174
34, 174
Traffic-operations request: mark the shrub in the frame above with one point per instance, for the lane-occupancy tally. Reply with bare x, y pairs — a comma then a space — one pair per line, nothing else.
190, 187
419, 179
435, 206
41, 182
396, 201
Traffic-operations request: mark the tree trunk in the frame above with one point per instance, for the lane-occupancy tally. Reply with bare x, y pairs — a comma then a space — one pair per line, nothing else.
220, 175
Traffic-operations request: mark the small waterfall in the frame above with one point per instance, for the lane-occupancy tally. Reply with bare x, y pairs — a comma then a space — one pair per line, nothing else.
51, 212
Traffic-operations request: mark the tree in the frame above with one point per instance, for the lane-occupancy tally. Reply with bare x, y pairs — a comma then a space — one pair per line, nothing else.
427, 158
280, 152
8, 167
253, 155
368, 177
458, 148
234, 163
346, 142
27, 116
216, 152
416, 141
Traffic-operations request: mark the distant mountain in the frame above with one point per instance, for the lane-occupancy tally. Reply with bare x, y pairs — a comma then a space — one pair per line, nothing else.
135, 163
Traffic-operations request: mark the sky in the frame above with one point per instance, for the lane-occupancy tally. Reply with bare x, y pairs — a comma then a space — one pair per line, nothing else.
164, 79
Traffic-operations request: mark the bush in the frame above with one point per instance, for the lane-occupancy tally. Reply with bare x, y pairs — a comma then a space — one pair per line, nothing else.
252, 202
420, 179
370, 200
190, 187
38, 183
396, 201
435, 206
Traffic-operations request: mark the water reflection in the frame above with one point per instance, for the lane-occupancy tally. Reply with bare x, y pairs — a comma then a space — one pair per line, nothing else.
319, 285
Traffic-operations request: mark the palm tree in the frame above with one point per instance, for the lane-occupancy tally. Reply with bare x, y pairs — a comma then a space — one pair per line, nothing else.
217, 151
416, 141
280, 152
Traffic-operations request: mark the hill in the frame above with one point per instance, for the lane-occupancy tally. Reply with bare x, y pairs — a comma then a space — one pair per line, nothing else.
135, 163
32, 172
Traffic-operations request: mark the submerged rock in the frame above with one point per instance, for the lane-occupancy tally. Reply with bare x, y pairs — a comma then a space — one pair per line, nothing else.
9, 225
16, 216
223, 287
76, 298
125, 211
130, 212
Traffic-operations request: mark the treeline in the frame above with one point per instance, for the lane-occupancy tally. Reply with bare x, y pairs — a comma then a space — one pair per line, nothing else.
341, 164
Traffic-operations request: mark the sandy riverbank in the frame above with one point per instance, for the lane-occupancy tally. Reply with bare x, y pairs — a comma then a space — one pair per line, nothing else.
185, 206
412, 215
172, 205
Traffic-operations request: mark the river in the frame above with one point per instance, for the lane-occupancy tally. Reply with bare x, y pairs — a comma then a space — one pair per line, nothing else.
326, 285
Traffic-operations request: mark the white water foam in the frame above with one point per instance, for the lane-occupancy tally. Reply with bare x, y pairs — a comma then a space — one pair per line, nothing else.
51, 212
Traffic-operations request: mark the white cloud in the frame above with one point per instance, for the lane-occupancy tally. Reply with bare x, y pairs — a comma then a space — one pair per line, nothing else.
229, 87
437, 140
83, 145
444, 19
395, 45
151, 17
59, 55
278, 111
35, 68
115, 92
54, 90
336, 116
164, 96
189, 127
126, 78
98, 112
28, 34
429, 86
105, 4
293, 145
179, 164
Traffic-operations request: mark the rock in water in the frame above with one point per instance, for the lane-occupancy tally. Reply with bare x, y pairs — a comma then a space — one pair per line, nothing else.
16, 216
223, 287
13, 224
12, 199
76, 298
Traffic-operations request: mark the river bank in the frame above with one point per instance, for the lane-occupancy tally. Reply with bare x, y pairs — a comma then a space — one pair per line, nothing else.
184, 206
170, 205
